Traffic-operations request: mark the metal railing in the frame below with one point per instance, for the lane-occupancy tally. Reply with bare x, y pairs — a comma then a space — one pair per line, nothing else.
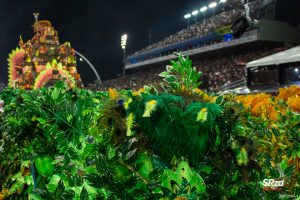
234, 85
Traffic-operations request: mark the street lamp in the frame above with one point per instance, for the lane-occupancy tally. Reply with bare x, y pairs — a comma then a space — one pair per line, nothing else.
123, 45
203, 9
213, 5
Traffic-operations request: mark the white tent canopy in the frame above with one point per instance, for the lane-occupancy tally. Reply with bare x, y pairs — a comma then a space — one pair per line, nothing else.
288, 56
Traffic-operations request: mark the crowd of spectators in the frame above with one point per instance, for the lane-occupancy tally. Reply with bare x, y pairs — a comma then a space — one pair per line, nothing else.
217, 71
228, 69
2, 86
201, 28
135, 81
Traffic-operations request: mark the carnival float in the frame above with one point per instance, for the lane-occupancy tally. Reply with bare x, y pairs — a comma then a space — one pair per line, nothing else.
42, 60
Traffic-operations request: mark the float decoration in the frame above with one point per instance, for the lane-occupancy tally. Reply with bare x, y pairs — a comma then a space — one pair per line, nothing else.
41, 61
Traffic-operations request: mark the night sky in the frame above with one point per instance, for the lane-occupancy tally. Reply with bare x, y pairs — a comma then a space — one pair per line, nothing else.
93, 27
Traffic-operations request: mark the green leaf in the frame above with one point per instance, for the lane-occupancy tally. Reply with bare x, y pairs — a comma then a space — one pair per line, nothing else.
145, 165
17, 186
164, 74
41, 120
218, 141
55, 94
170, 79
28, 180
233, 191
87, 150
219, 100
90, 169
26, 97
217, 130
235, 176
130, 154
16, 176
35, 197
198, 183
77, 190
289, 170
44, 166
92, 191
121, 174
25, 163
206, 169
53, 183
283, 165
202, 115
111, 152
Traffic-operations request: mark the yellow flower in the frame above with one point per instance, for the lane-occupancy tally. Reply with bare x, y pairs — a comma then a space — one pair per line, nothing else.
286, 93
183, 89
273, 139
149, 108
142, 90
202, 115
129, 124
213, 99
294, 103
260, 105
198, 91
113, 94
126, 104
139, 92
273, 164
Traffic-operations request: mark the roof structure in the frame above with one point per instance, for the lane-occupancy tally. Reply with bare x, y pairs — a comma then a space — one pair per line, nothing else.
288, 56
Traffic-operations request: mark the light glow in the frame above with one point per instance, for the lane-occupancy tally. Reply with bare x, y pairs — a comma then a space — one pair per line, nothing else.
212, 5
187, 16
124, 41
203, 9
195, 12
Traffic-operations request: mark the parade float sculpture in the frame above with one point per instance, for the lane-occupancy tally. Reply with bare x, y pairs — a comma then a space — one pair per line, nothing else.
41, 61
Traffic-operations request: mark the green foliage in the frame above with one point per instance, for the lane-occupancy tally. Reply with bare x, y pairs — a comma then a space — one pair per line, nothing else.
180, 76
182, 181
44, 166
58, 143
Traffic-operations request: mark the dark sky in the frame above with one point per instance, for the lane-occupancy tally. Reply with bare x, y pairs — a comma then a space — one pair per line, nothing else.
93, 27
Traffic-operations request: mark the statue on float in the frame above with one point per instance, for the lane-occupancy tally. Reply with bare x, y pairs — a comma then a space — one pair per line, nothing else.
41, 61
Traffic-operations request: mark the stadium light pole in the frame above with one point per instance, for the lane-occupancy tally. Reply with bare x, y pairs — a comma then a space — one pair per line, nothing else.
213, 5
187, 17
202, 10
90, 64
123, 45
223, 4
195, 13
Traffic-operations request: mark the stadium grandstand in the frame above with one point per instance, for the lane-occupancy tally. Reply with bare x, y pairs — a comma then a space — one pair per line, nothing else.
219, 45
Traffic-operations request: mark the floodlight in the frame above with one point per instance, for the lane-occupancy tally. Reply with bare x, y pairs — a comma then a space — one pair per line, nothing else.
296, 70
195, 12
187, 16
123, 41
223, 1
203, 9
212, 5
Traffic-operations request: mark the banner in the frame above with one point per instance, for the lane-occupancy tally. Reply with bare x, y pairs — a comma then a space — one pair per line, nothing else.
223, 30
